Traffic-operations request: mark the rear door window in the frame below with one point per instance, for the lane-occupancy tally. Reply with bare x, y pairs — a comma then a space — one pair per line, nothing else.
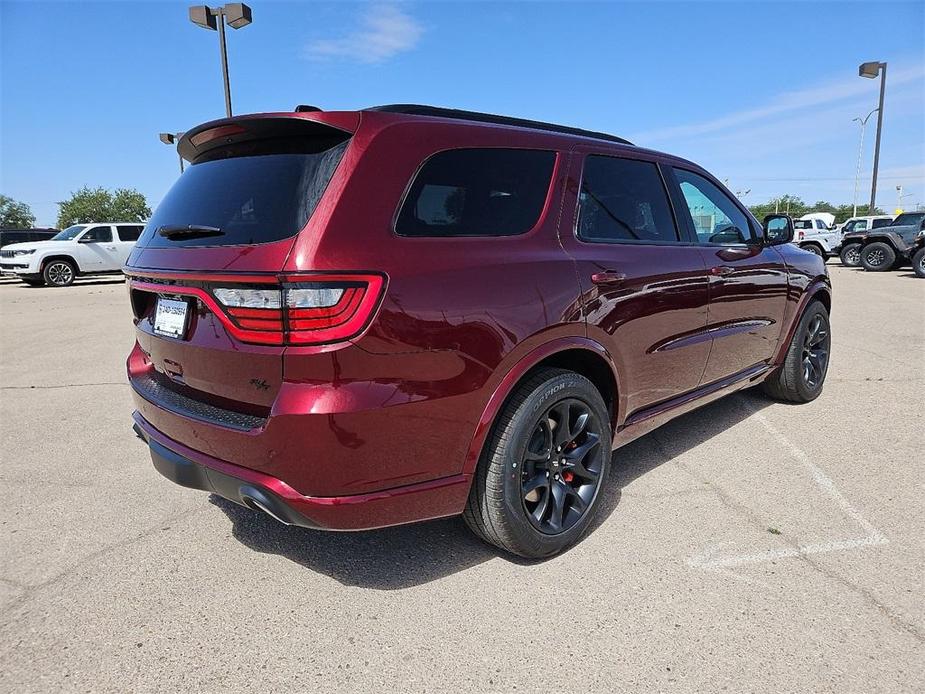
129, 232
260, 193
624, 201
477, 192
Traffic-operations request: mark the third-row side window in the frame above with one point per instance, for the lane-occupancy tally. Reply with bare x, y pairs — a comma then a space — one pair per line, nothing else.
477, 192
129, 232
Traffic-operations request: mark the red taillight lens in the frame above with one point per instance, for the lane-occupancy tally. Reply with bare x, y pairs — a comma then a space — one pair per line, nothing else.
330, 309
305, 310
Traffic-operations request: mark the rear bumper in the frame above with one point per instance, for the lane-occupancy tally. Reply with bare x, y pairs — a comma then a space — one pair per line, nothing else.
186, 467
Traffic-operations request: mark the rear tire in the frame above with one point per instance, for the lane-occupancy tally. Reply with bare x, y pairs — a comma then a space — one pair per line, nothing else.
878, 257
59, 273
537, 485
802, 375
850, 255
918, 262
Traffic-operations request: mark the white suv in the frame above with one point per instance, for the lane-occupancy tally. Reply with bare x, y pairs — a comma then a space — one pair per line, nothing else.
83, 249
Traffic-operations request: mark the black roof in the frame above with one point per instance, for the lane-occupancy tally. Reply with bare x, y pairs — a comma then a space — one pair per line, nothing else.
475, 116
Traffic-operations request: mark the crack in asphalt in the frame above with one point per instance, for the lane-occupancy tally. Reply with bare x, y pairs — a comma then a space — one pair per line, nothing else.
30, 590
752, 519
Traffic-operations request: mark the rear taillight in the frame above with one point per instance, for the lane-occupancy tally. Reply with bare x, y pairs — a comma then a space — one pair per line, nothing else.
799, 235
303, 310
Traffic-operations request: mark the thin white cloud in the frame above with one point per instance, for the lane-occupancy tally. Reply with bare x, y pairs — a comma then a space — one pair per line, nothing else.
385, 31
783, 103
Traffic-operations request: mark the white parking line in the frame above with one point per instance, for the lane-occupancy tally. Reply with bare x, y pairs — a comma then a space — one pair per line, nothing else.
709, 561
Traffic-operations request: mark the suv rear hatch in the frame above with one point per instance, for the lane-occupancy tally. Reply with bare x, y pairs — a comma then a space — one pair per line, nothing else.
213, 307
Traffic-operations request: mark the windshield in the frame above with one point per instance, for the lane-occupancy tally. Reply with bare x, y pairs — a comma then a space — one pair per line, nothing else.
250, 199
907, 218
803, 224
70, 233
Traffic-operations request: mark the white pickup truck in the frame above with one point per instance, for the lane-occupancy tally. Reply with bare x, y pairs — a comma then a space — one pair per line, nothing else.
83, 249
816, 232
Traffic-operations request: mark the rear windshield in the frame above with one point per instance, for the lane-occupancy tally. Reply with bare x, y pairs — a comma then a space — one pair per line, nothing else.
251, 197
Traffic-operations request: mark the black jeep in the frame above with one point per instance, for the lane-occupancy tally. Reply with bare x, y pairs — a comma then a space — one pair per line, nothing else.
889, 247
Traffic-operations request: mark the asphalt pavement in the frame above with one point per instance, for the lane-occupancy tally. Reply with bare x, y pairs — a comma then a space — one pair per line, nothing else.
748, 546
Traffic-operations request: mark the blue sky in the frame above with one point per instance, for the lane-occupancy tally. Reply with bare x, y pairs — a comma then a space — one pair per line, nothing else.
762, 94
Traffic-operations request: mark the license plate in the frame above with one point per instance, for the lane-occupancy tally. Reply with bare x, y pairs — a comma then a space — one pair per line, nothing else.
170, 317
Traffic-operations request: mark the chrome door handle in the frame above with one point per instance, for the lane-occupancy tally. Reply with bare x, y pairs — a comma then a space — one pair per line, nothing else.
608, 277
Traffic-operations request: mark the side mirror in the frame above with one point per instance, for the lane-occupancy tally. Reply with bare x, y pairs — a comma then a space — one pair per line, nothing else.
777, 229
86, 239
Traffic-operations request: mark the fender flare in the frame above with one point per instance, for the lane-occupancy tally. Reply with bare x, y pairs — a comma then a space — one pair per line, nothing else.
59, 256
501, 392
818, 286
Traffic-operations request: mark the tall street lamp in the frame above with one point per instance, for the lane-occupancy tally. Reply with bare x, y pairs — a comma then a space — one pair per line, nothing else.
237, 15
870, 71
172, 139
857, 174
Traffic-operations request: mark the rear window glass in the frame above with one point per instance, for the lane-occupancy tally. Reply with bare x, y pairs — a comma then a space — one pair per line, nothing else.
251, 199
477, 192
129, 233
624, 201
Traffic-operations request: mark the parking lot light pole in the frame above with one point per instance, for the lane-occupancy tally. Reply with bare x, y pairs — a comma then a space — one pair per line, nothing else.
237, 15
870, 71
172, 139
857, 174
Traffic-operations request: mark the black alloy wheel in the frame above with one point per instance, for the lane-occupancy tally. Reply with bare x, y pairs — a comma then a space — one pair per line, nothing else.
815, 351
560, 474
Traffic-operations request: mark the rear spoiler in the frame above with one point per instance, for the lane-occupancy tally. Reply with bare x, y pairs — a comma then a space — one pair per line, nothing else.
230, 131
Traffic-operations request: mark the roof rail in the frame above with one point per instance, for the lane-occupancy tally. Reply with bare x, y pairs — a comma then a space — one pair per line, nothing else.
475, 116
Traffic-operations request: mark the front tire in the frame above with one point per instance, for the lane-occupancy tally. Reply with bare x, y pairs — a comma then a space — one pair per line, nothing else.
803, 372
850, 255
878, 257
537, 486
918, 262
59, 273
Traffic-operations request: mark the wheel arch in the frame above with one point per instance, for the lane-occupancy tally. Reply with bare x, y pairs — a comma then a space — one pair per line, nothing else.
820, 290
881, 238
581, 355
59, 256
817, 244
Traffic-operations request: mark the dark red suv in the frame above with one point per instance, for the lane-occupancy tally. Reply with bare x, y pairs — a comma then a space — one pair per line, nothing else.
350, 320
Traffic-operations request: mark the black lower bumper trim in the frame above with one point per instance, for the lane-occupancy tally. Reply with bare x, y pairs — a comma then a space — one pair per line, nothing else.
187, 473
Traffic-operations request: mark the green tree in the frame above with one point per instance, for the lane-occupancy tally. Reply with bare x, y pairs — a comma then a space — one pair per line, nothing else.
99, 205
128, 205
845, 212
785, 204
15, 214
